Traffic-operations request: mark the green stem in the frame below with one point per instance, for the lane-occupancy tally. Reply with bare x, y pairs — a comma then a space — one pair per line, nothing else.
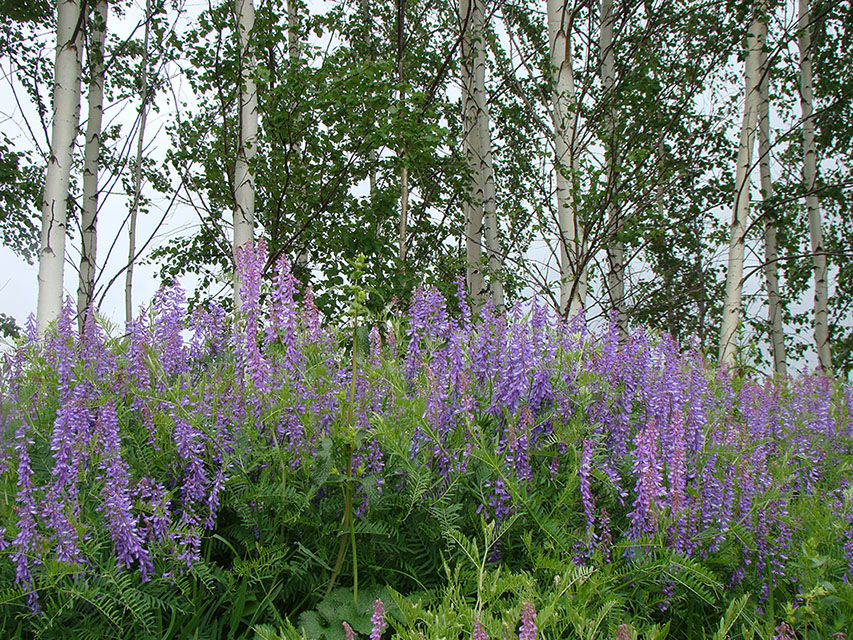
347, 525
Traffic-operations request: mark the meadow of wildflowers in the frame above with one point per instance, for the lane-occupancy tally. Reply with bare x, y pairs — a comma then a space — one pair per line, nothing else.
438, 475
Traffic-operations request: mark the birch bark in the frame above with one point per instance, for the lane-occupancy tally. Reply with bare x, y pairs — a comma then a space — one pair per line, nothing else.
137, 174
473, 207
244, 179
615, 249
740, 210
821, 325
486, 168
564, 115
403, 240
66, 113
771, 252
91, 157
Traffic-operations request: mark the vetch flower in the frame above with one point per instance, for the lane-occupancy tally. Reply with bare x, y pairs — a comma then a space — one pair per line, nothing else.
586, 492
784, 632
377, 620
527, 630
479, 632
127, 542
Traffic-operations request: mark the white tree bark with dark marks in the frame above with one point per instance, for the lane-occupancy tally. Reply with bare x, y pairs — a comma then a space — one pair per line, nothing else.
244, 179
137, 173
821, 295
91, 157
615, 246
66, 114
740, 210
573, 277
771, 251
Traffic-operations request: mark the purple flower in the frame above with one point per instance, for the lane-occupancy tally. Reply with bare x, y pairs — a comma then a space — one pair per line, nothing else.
169, 305
586, 492
154, 516
479, 631
348, 632
784, 632
527, 630
190, 449
26, 545
462, 300
284, 323
648, 487
623, 632
377, 620
127, 542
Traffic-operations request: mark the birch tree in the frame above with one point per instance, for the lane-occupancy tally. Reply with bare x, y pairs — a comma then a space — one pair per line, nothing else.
244, 179
564, 115
740, 210
471, 140
144, 95
821, 328
486, 167
403, 239
66, 113
91, 158
615, 248
771, 250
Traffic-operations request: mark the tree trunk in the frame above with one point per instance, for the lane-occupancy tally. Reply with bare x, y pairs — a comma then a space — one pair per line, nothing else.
564, 115
740, 211
292, 32
615, 249
244, 179
821, 326
89, 215
471, 141
771, 253
137, 174
66, 113
486, 168
368, 52
404, 171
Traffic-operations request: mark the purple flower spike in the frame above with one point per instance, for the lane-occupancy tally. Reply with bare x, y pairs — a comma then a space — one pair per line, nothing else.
527, 630
648, 487
623, 632
26, 544
586, 491
377, 620
479, 631
127, 542
348, 632
784, 632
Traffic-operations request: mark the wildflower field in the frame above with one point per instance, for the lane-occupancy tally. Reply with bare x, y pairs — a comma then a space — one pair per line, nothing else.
424, 475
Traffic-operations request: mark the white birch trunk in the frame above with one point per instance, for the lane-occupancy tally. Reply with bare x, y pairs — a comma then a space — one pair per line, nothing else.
740, 210
91, 157
404, 171
486, 168
821, 295
137, 174
572, 271
615, 248
244, 179
471, 140
296, 149
66, 113
771, 252
292, 32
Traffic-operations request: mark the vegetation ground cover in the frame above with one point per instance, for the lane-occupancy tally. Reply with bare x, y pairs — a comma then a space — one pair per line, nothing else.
485, 475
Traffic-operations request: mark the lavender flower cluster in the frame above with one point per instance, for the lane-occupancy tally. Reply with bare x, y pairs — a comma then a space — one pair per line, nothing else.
671, 445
